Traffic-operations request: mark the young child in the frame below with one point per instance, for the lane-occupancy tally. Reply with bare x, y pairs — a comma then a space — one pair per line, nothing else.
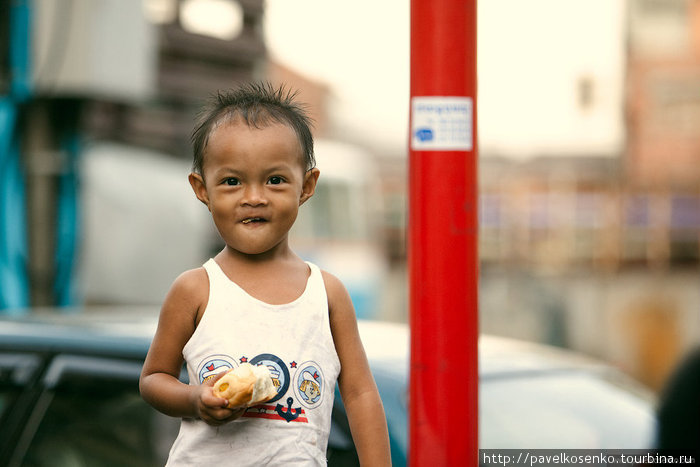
256, 301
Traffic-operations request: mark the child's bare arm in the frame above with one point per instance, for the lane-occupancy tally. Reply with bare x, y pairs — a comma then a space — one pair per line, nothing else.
357, 387
159, 383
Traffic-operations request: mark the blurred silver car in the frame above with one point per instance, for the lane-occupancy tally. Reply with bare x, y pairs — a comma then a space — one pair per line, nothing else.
69, 394
531, 396
538, 397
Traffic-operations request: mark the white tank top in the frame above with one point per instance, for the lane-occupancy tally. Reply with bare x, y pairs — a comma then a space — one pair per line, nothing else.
294, 340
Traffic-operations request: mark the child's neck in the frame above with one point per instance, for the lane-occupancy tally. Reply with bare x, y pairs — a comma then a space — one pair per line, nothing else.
277, 278
280, 253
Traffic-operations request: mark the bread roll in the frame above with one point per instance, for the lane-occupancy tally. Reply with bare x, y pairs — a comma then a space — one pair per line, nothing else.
245, 386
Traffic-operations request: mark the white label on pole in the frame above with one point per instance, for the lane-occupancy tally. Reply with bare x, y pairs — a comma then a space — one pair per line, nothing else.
442, 123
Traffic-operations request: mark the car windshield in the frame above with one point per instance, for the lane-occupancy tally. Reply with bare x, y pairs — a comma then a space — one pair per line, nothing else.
577, 410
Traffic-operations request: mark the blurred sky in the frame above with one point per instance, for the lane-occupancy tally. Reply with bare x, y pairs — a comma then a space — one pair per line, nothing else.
532, 55
359, 48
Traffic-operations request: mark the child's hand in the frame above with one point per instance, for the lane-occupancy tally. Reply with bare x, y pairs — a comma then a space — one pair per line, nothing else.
211, 408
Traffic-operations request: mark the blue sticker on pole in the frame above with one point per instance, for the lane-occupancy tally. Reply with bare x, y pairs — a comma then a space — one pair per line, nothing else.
442, 123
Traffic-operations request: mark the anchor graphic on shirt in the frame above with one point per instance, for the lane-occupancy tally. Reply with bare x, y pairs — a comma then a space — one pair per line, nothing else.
290, 414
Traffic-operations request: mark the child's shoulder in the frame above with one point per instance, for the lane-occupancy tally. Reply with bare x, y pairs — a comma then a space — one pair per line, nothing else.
192, 285
193, 278
331, 281
335, 289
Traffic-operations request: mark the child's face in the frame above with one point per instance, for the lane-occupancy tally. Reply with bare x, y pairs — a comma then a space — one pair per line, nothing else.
253, 182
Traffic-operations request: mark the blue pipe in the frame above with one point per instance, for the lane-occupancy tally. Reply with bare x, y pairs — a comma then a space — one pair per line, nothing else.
14, 286
68, 225
14, 283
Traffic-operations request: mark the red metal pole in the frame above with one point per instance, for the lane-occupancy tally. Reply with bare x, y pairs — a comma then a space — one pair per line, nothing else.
443, 233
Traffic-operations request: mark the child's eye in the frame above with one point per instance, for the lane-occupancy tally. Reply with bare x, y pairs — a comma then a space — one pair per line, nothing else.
275, 180
231, 181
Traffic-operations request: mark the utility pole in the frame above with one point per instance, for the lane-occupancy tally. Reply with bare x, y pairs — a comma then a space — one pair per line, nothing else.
443, 235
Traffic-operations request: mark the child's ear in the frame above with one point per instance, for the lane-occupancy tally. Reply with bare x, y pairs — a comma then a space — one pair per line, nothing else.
199, 188
309, 187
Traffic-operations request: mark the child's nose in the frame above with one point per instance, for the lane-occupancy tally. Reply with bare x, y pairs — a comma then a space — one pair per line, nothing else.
254, 195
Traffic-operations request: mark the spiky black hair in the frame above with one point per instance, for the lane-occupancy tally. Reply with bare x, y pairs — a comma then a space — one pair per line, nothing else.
257, 105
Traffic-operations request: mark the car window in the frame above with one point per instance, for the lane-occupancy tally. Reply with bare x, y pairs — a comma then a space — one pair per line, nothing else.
97, 418
563, 410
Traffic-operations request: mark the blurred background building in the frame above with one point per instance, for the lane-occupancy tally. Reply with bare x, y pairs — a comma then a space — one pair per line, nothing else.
589, 157
595, 246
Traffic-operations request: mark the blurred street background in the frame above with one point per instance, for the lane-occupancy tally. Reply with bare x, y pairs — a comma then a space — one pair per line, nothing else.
589, 156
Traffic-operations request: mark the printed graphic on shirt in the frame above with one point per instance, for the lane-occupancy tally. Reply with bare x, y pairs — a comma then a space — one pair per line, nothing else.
308, 384
282, 381
213, 365
278, 412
